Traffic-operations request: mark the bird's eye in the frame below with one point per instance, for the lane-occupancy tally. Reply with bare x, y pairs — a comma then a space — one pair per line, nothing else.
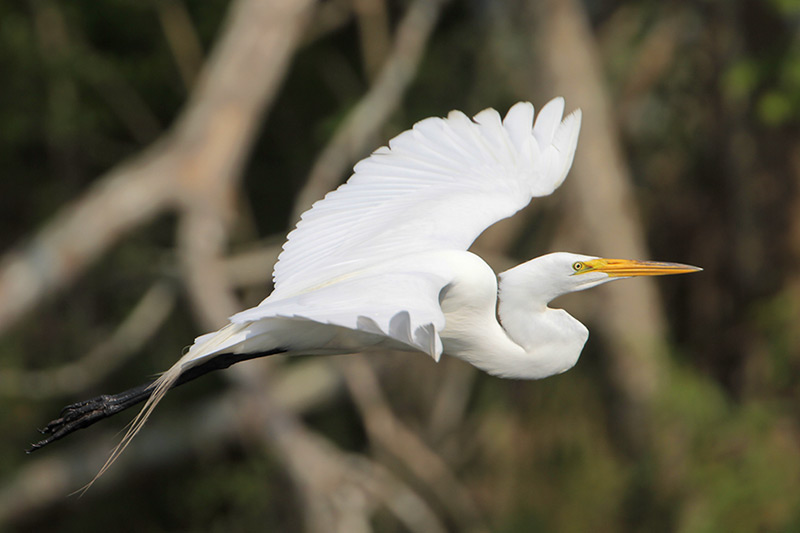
577, 266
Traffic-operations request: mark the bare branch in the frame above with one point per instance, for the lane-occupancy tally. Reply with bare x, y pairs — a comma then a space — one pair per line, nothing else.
352, 138
601, 189
201, 240
142, 323
327, 18
219, 135
373, 29
252, 267
450, 405
182, 38
388, 433
340, 490
192, 166
74, 238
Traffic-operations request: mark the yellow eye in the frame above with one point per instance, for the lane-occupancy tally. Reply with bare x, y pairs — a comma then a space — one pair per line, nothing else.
577, 266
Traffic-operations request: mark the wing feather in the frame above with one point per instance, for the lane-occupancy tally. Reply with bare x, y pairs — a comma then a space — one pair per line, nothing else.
548, 121
435, 187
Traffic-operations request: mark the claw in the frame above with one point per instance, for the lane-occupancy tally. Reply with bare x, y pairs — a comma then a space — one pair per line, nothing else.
83, 414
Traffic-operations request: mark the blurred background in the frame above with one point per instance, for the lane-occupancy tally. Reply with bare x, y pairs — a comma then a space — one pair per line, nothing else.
154, 155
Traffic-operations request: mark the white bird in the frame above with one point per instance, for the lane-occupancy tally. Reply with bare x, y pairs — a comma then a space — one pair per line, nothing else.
382, 261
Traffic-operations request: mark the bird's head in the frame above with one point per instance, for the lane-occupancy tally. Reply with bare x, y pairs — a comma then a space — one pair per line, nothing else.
586, 272
555, 274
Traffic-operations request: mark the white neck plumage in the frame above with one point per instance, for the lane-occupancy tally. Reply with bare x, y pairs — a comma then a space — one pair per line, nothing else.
551, 339
533, 342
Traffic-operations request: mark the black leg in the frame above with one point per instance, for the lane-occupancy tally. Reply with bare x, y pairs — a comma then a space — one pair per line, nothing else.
83, 414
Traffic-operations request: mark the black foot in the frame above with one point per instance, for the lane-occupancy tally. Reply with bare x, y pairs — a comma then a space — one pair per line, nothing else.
83, 414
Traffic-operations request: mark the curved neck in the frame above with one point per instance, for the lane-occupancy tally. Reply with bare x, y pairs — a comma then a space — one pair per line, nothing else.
551, 339
533, 342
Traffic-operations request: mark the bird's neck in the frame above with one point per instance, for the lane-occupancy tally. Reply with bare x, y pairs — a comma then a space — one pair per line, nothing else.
531, 341
551, 340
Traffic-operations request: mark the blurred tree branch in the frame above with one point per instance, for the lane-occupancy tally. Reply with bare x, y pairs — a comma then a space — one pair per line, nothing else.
389, 435
353, 136
373, 26
191, 168
600, 190
139, 326
47, 479
340, 490
63, 43
214, 135
182, 38
336, 487
242, 269
328, 17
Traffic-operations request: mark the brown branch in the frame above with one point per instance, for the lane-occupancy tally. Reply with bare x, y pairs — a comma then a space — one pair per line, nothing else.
374, 33
352, 138
600, 189
632, 323
201, 242
328, 17
449, 407
219, 135
340, 490
252, 267
142, 323
81, 232
389, 434
182, 39
195, 170
192, 166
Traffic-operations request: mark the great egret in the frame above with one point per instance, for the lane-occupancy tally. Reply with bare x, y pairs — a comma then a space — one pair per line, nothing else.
383, 261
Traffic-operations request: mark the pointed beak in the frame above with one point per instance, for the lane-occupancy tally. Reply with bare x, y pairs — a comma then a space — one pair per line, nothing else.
623, 268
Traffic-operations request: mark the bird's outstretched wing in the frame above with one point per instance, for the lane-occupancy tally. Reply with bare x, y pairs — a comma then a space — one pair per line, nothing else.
435, 187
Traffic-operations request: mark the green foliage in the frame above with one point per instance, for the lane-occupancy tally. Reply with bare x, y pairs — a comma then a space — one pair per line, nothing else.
734, 466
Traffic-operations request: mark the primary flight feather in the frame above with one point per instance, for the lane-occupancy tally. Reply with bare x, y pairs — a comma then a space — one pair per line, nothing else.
383, 260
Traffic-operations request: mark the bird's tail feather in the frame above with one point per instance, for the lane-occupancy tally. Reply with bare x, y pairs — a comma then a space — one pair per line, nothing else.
204, 346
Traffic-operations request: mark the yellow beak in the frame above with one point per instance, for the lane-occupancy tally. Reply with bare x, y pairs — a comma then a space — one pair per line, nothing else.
628, 267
